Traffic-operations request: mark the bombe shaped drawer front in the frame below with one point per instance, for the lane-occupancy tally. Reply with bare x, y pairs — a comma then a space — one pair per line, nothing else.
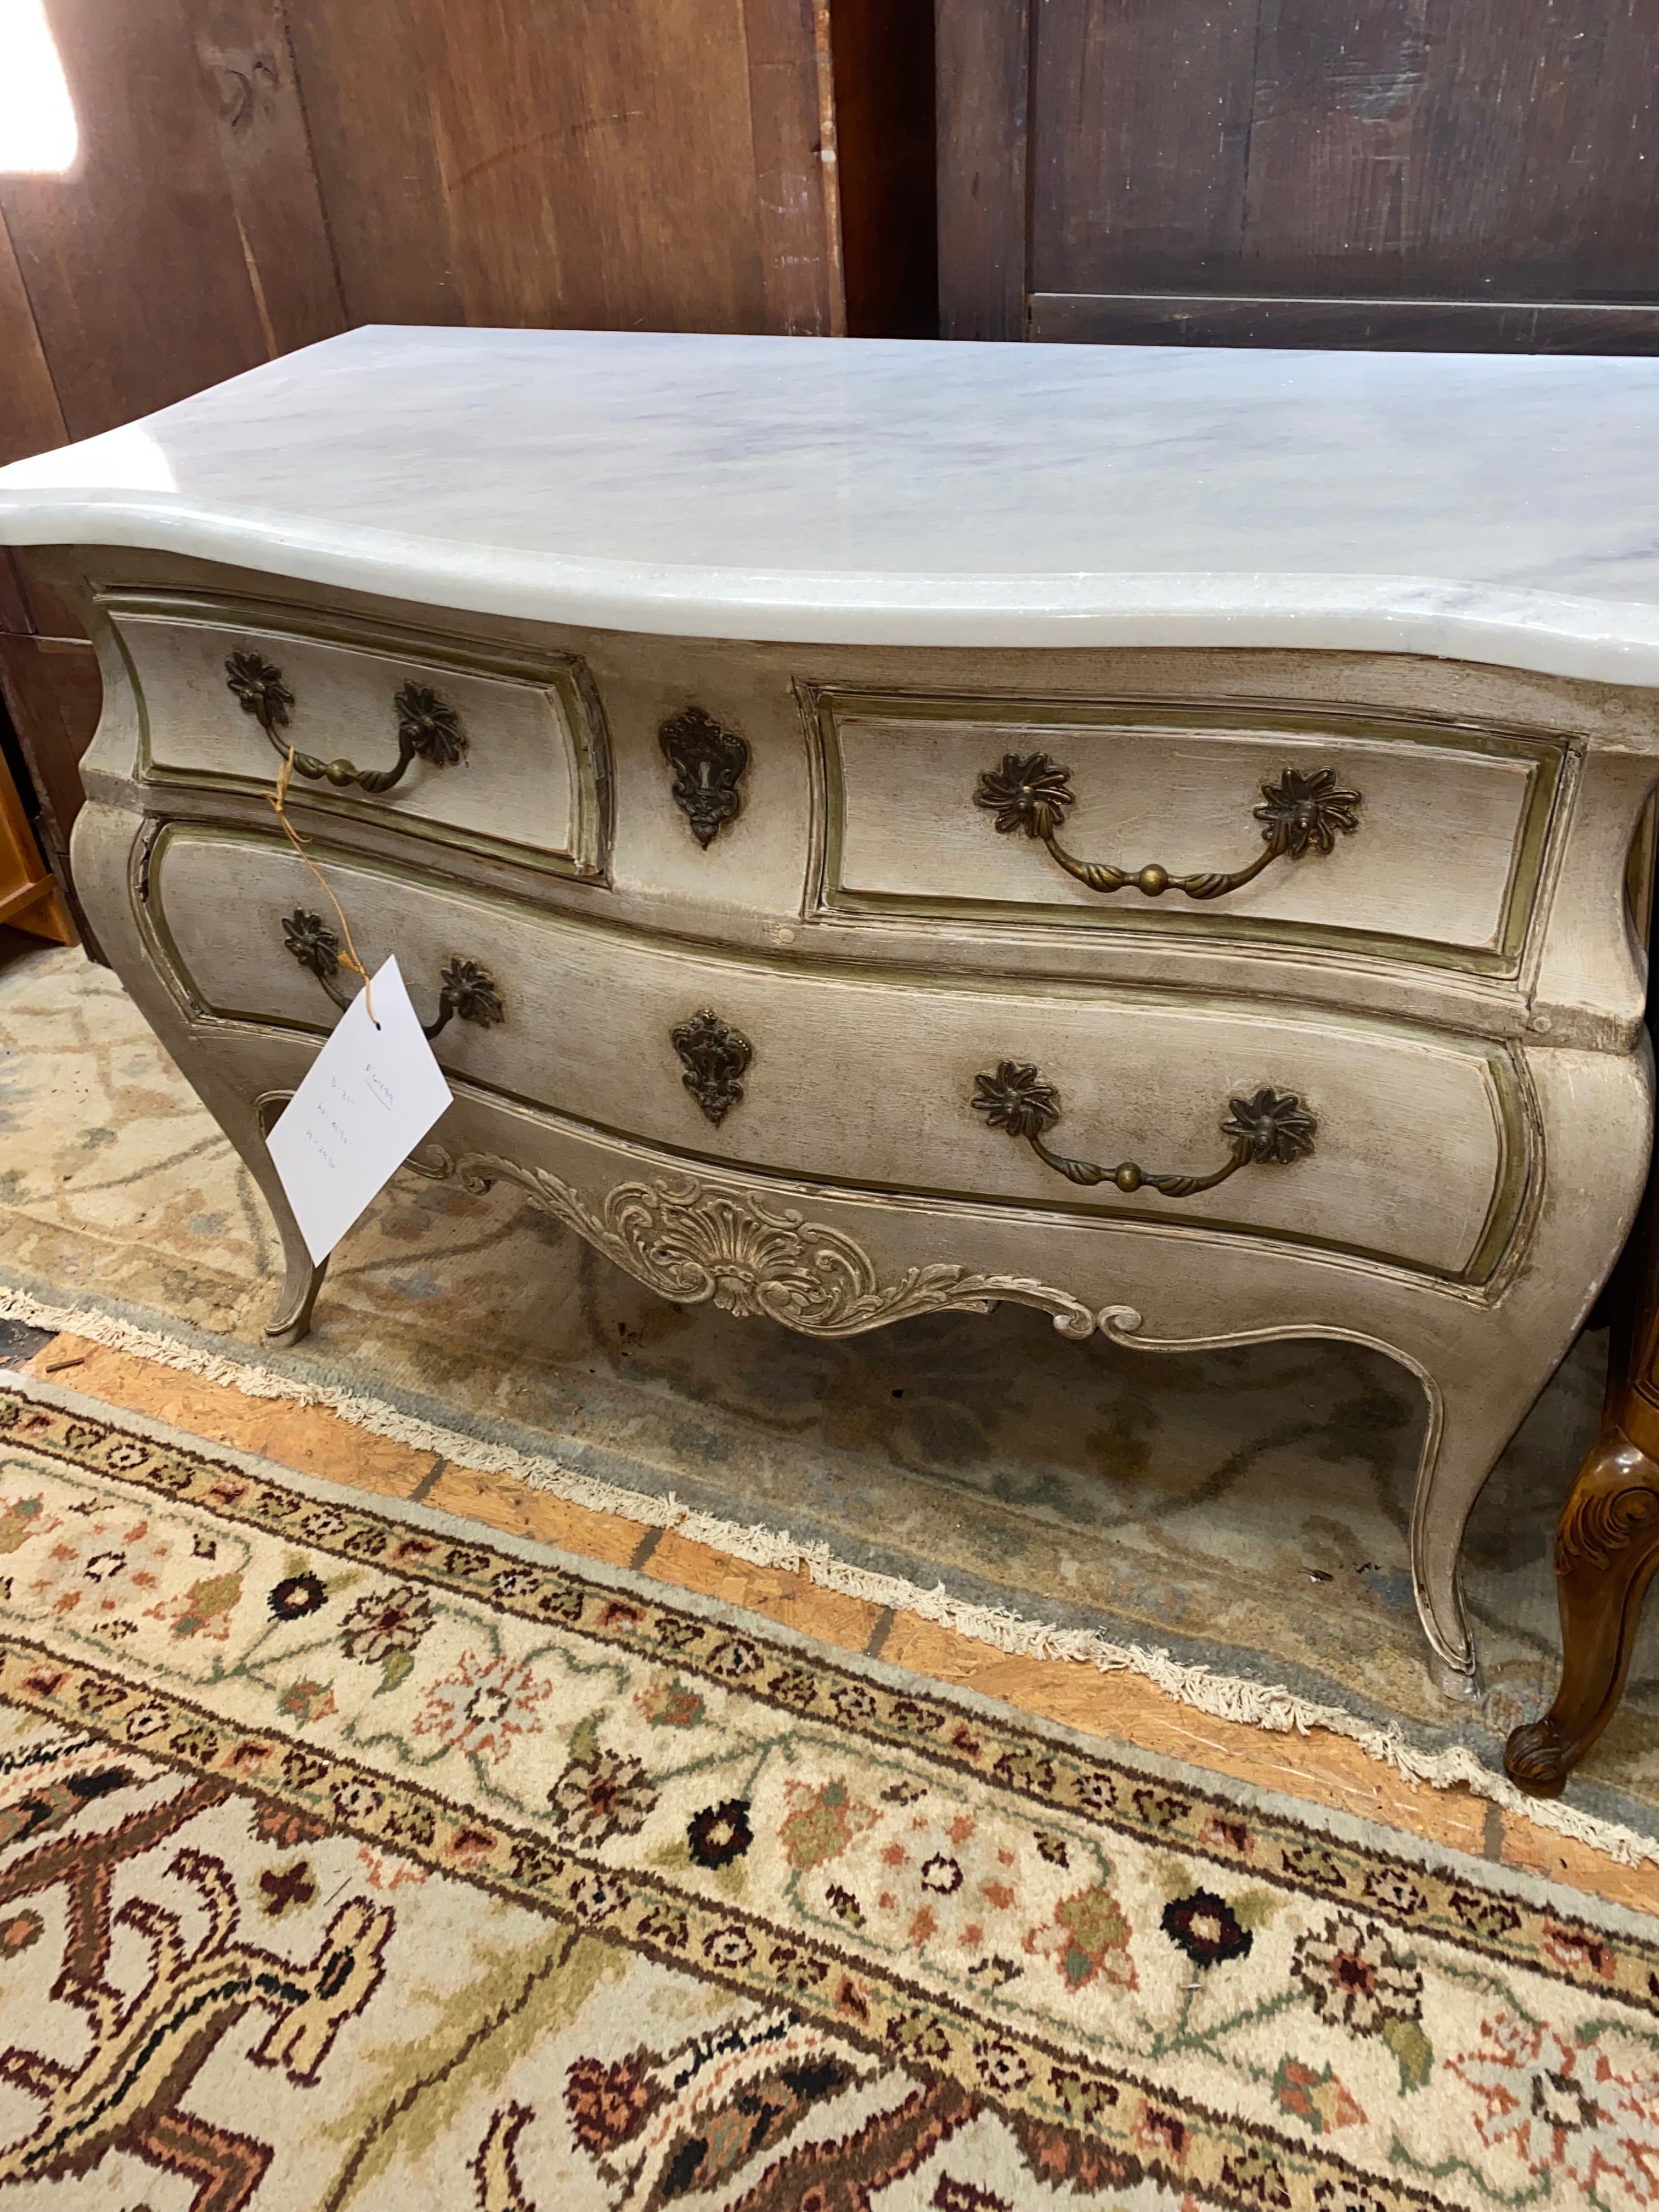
1408, 841
448, 740
1359, 1137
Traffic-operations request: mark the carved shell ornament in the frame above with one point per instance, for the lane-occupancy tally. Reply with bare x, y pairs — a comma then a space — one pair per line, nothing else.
702, 1244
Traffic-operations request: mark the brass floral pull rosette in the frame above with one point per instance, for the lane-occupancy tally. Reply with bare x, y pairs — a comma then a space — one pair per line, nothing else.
428, 727
1272, 1128
1302, 813
468, 992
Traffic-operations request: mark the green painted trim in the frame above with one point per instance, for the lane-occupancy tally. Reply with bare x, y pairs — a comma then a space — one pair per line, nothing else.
564, 675
1511, 1186
827, 704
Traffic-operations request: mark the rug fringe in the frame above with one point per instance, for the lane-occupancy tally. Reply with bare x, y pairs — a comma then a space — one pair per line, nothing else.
1224, 1696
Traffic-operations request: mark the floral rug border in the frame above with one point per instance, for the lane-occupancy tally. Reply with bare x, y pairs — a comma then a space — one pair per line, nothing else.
1013, 1753
1275, 1708
1092, 2124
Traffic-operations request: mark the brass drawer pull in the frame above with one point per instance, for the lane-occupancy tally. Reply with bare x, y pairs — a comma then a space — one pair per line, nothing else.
1301, 813
468, 991
1272, 1128
428, 728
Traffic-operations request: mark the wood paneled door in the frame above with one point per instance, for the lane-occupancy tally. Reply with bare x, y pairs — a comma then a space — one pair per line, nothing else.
1480, 175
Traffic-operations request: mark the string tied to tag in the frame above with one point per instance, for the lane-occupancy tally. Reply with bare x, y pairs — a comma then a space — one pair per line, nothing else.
278, 801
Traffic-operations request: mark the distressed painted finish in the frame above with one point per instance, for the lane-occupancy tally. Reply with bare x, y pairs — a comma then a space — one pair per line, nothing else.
532, 768
1482, 1127
870, 1082
1449, 985
1459, 817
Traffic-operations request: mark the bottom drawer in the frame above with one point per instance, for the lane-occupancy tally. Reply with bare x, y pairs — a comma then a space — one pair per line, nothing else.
1360, 1137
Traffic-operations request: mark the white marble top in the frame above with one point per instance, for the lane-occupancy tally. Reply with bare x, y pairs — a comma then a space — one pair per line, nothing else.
1503, 508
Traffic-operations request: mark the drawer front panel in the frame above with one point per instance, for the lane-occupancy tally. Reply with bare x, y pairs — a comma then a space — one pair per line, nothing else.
1422, 842
515, 760
1420, 1154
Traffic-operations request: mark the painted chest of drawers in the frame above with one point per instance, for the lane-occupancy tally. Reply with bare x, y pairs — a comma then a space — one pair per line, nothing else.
881, 830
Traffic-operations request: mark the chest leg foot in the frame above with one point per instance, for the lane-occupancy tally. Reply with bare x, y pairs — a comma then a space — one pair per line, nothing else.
1606, 1541
291, 1319
1607, 1549
302, 1277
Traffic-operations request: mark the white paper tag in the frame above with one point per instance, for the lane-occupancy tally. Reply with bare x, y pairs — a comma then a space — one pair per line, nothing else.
372, 1095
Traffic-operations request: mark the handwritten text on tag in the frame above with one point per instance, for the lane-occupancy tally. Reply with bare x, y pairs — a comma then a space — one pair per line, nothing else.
371, 1096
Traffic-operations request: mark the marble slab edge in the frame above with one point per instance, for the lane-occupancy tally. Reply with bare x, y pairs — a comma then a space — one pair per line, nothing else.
1544, 633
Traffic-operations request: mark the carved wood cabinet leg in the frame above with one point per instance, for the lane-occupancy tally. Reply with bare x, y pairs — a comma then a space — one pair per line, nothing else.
1607, 1549
1607, 1544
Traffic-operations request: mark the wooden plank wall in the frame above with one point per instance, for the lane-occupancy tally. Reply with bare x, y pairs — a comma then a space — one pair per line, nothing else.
257, 174
1384, 171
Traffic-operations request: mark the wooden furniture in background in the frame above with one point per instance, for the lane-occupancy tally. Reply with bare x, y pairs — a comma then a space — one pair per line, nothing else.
1607, 1544
51, 693
1481, 178
29, 896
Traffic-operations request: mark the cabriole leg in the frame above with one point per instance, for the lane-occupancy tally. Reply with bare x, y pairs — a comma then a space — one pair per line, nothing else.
1480, 1396
302, 1276
1606, 1550
1607, 1545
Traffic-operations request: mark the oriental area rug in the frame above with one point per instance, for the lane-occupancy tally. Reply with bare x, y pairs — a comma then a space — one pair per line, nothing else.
347, 1861
1233, 1523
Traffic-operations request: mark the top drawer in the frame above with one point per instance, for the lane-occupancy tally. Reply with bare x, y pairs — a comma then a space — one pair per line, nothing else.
1417, 841
461, 743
